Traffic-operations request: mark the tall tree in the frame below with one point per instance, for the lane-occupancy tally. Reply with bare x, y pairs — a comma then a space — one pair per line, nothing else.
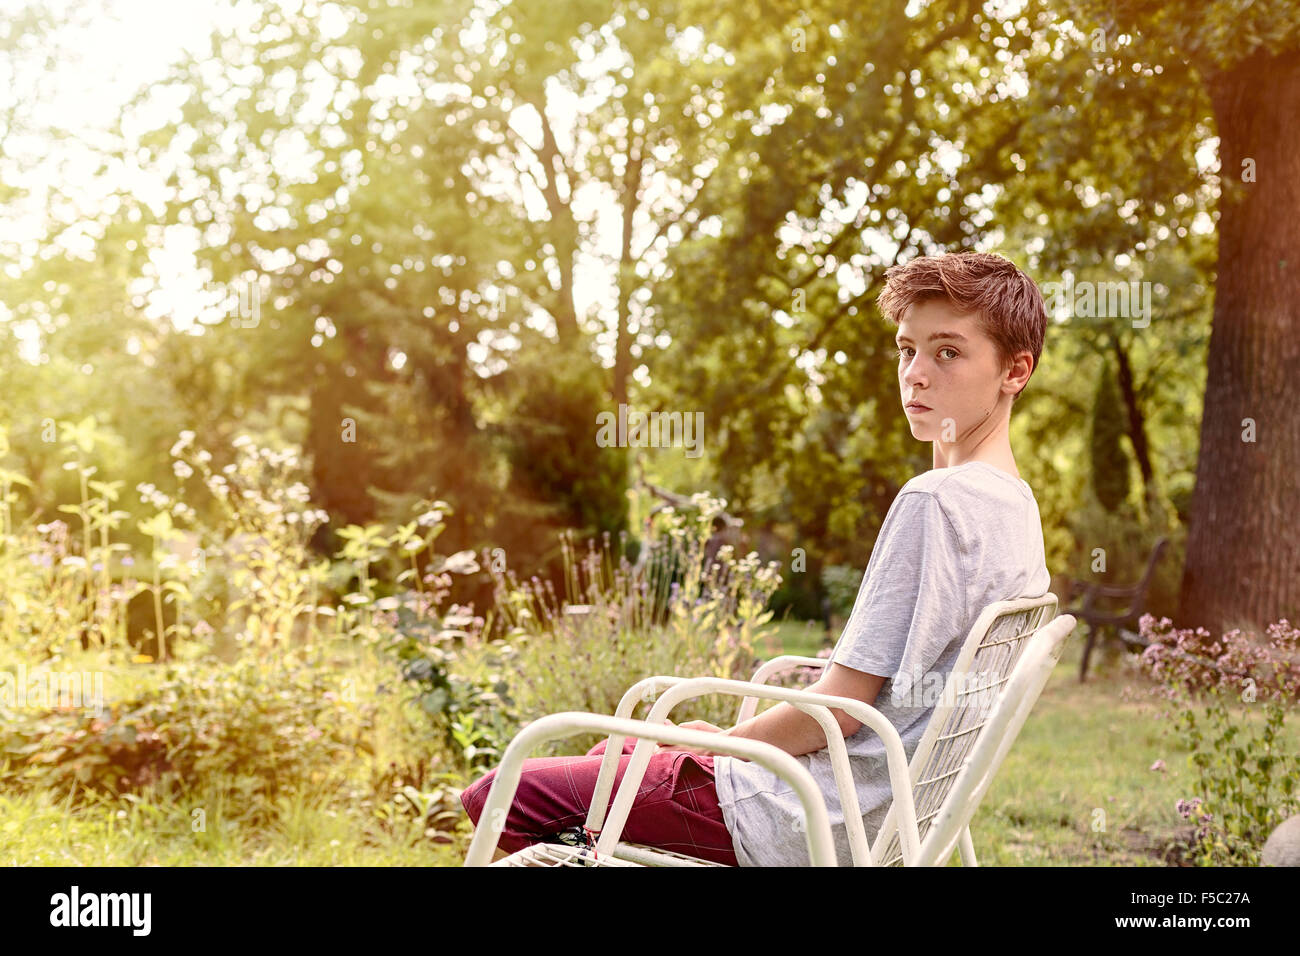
1243, 562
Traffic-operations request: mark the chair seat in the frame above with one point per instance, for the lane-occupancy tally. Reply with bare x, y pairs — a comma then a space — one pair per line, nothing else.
625, 854
558, 854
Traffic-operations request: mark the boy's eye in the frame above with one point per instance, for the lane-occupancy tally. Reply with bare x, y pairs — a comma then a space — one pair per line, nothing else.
898, 353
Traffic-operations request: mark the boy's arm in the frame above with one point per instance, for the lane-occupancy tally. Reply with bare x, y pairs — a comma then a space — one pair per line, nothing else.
787, 727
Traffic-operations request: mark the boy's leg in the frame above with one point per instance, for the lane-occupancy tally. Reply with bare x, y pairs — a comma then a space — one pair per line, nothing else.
675, 807
501, 852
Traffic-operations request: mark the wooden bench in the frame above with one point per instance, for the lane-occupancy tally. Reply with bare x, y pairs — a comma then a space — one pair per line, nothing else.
1124, 622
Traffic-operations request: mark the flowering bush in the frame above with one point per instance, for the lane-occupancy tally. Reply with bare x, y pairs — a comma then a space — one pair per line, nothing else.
1247, 778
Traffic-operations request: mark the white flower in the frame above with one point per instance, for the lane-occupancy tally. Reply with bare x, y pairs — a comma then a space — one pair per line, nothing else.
186, 437
241, 441
462, 562
429, 518
181, 469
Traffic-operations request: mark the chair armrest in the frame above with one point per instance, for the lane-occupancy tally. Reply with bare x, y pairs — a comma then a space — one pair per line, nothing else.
771, 668
821, 847
648, 687
679, 689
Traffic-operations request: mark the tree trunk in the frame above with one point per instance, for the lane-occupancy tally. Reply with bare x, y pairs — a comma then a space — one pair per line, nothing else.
1243, 554
1137, 433
626, 275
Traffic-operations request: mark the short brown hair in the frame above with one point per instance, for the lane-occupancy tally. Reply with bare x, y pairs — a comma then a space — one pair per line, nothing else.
1010, 306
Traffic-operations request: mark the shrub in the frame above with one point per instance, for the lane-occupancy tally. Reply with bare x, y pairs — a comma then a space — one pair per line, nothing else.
260, 734
472, 715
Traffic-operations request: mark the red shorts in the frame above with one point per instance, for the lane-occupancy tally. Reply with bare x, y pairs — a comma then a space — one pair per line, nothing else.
676, 806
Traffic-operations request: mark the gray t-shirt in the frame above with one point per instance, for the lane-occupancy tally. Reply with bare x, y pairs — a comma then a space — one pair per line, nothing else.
955, 540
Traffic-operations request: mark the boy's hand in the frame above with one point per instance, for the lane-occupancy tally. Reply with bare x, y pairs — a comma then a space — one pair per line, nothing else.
691, 725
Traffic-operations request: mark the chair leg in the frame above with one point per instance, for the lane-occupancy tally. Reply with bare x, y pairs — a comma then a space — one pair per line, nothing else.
967, 848
1087, 652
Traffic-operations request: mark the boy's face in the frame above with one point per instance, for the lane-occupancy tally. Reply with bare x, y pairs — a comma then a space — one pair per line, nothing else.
957, 378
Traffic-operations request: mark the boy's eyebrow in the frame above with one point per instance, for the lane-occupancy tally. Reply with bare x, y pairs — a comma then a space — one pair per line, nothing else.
898, 339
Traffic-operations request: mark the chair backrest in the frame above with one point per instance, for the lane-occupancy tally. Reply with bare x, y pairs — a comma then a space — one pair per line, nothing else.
963, 721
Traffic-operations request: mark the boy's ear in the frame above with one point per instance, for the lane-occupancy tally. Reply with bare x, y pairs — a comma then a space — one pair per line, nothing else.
1010, 365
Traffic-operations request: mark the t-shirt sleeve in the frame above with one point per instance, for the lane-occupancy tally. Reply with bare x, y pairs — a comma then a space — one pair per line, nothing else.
912, 601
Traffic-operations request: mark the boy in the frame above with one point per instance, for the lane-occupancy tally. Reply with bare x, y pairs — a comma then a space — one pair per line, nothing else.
956, 539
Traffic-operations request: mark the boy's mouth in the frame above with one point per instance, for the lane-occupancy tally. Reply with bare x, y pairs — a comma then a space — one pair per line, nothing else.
915, 408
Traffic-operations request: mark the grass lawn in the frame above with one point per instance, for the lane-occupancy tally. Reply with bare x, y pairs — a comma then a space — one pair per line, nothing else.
38, 831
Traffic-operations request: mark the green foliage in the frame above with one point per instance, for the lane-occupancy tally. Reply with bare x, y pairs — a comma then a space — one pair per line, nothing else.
473, 715
422, 321
552, 448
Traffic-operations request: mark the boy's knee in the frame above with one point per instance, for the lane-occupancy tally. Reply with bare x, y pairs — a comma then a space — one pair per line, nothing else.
473, 797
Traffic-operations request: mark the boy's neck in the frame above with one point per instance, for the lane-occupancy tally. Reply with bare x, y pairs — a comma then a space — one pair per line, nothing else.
993, 448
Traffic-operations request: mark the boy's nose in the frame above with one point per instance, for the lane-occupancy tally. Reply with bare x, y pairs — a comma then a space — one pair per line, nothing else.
913, 374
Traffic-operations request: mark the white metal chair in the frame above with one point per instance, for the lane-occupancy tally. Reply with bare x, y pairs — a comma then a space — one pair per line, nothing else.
1012, 646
